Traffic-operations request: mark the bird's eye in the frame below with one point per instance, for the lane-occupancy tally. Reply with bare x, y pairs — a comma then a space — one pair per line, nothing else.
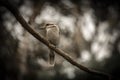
48, 24
53, 26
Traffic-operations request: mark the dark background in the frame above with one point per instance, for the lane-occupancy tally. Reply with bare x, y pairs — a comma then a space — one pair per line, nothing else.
90, 33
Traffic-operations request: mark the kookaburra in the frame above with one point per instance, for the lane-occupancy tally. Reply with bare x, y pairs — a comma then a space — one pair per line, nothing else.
52, 35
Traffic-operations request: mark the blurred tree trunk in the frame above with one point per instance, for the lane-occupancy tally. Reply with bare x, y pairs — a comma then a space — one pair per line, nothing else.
8, 50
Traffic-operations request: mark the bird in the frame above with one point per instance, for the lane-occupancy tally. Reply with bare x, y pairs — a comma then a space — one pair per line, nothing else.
52, 35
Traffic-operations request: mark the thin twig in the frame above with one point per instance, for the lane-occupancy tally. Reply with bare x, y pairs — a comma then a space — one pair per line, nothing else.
65, 55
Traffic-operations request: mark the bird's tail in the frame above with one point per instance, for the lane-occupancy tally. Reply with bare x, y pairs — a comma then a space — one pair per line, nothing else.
52, 57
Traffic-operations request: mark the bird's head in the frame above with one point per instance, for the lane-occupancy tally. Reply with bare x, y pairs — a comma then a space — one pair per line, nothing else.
48, 26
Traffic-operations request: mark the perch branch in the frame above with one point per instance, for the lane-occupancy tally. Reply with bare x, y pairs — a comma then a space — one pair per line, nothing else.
65, 55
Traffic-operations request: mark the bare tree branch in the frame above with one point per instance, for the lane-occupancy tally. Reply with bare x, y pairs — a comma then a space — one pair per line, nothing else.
65, 55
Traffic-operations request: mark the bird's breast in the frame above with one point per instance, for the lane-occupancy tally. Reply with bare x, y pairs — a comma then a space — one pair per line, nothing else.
53, 36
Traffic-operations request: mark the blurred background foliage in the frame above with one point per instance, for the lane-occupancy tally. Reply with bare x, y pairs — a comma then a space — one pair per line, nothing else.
90, 33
